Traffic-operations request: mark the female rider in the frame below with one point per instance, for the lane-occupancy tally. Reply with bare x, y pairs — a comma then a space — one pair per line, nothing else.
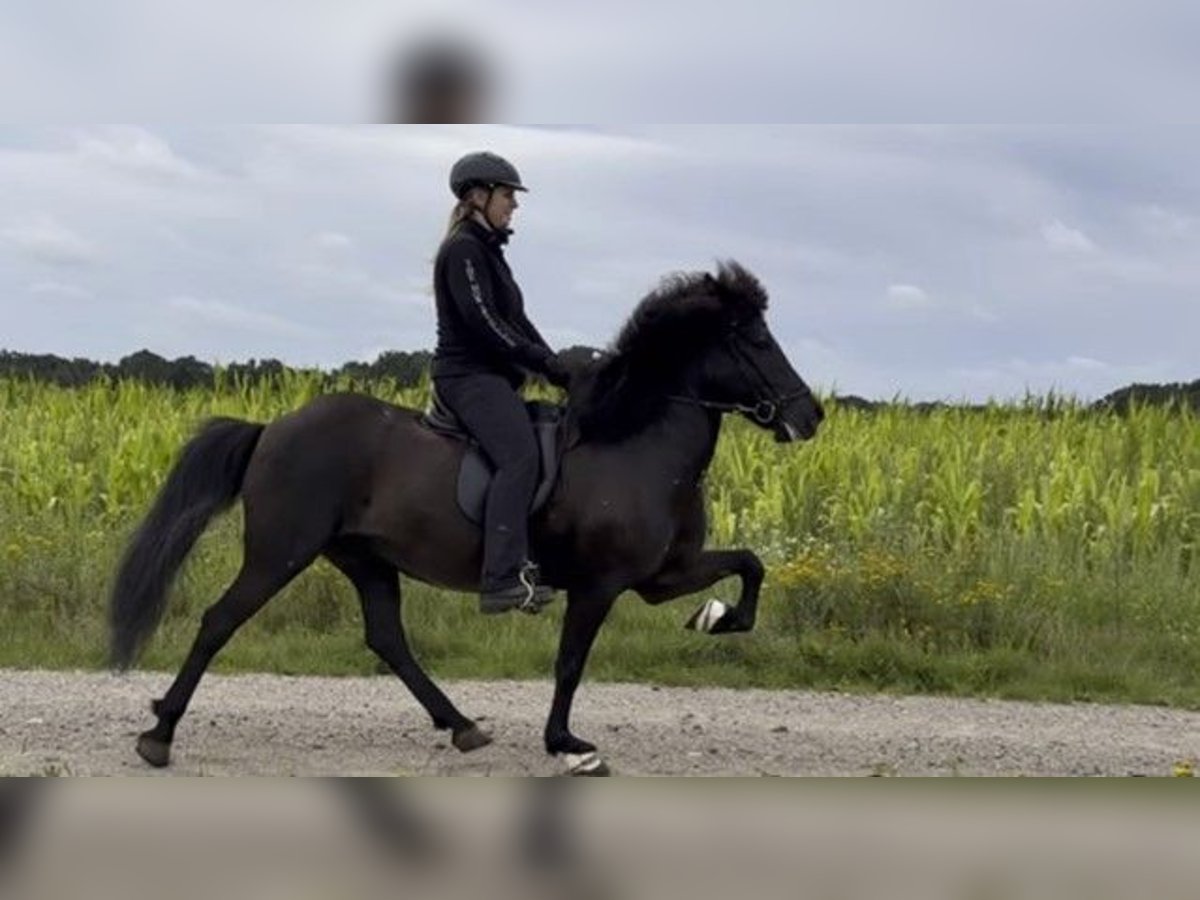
486, 345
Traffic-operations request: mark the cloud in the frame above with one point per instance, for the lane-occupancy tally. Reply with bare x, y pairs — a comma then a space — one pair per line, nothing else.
344, 281
909, 249
409, 164
908, 296
437, 143
332, 240
1160, 222
60, 289
787, 61
1061, 237
1082, 376
820, 363
1060, 370
47, 241
217, 312
134, 150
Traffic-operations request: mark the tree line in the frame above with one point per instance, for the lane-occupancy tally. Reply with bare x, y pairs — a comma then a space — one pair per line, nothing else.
407, 368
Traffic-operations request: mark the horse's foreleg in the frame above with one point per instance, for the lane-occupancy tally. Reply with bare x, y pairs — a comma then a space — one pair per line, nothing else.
703, 571
585, 614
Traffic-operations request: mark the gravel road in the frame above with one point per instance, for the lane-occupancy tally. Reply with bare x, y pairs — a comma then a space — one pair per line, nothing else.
76, 723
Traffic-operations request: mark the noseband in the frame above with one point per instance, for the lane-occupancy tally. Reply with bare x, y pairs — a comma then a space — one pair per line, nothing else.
765, 412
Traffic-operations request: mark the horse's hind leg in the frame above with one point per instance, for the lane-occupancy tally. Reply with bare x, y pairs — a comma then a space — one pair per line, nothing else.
378, 586
255, 584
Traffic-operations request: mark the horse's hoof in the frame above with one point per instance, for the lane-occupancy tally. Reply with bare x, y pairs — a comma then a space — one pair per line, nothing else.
707, 617
471, 738
585, 765
154, 751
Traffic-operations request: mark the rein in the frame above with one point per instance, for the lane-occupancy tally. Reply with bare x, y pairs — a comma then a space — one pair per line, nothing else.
764, 412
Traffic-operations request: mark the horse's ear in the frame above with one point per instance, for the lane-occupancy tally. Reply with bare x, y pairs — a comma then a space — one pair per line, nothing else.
713, 287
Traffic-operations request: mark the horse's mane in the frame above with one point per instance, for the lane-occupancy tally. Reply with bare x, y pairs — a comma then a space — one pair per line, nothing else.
674, 325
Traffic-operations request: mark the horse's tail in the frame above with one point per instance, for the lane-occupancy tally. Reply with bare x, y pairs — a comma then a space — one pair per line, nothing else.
205, 481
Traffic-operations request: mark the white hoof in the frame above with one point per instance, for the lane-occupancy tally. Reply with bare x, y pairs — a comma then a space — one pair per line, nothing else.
583, 764
707, 617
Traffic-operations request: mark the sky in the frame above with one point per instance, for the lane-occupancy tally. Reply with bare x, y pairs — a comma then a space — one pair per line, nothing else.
930, 261
863, 61
921, 261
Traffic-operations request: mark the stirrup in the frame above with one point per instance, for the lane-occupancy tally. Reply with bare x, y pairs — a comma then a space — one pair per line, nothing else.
540, 595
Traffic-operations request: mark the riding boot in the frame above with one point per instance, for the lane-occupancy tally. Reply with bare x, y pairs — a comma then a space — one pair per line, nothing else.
527, 594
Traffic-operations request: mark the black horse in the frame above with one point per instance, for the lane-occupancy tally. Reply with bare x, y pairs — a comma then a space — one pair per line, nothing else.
371, 488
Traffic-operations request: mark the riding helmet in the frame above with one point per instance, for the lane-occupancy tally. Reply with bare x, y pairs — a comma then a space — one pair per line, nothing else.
483, 169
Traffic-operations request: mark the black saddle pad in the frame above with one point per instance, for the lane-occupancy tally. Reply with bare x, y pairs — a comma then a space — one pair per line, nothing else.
475, 474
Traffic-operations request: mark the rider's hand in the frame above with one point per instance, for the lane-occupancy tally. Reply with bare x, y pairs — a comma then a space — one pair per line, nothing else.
557, 372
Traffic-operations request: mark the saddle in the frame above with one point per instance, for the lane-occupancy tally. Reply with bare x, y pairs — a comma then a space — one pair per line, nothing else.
475, 473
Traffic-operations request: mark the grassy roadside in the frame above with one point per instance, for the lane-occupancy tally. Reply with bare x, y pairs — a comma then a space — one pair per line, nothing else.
826, 623
1036, 552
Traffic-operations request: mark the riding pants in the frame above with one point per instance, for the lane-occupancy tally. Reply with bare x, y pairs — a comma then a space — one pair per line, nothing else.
494, 414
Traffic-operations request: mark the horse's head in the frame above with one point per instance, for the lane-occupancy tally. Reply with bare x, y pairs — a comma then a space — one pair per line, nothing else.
744, 369
701, 339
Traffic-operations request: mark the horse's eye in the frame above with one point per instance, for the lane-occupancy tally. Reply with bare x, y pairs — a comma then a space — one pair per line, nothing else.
758, 335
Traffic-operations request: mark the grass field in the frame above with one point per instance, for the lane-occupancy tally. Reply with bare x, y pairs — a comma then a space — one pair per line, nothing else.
1037, 551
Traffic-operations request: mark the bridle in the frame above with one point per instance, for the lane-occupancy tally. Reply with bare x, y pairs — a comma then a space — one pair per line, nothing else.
766, 411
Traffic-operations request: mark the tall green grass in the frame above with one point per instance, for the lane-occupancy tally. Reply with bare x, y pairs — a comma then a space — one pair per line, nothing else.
1039, 550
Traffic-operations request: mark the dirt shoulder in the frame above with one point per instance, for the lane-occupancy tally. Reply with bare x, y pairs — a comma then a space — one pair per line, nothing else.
85, 723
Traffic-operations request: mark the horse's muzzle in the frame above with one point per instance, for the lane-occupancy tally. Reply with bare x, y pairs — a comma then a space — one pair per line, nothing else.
799, 422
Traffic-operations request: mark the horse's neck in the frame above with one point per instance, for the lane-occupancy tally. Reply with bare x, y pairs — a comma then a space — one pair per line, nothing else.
679, 444
682, 443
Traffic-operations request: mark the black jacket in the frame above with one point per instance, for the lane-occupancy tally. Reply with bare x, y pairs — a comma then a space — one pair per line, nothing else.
482, 326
